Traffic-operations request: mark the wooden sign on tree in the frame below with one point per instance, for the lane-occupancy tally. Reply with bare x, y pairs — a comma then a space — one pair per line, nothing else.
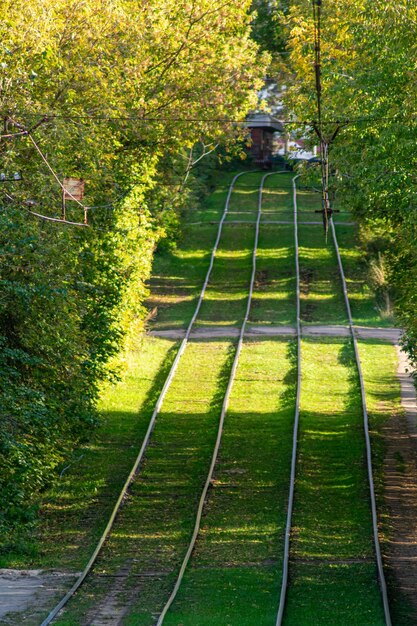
73, 189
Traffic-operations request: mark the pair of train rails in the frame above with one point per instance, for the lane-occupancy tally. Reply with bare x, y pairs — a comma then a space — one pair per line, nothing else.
293, 471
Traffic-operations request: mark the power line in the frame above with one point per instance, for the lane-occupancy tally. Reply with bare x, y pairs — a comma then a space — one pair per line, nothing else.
45, 160
48, 117
55, 219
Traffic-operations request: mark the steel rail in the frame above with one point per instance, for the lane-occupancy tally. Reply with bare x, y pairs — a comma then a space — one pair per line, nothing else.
377, 547
222, 417
284, 582
51, 616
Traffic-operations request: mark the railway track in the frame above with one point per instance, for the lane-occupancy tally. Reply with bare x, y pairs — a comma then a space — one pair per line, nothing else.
225, 406
228, 371
55, 611
378, 557
282, 617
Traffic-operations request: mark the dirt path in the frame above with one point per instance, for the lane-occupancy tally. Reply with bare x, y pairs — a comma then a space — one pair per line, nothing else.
283, 222
215, 332
401, 491
31, 591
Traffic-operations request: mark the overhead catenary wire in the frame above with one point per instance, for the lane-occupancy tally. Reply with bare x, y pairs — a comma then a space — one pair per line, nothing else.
56, 219
46, 218
193, 120
225, 405
45, 160
54, 612
24, 131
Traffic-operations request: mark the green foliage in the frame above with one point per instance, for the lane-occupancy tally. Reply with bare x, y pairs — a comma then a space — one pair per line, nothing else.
103, 91
268, 28
368, 61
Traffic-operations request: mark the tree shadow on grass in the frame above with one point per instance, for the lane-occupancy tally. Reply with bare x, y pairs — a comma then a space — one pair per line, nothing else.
85, 494
289, 393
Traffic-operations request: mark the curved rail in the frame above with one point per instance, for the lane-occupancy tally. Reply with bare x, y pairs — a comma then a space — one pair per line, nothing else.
51, 616
377, 546
222, 418
284, 582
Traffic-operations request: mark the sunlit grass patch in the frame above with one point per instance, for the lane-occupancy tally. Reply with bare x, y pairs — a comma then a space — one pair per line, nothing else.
274, 293
277, 197
321, 289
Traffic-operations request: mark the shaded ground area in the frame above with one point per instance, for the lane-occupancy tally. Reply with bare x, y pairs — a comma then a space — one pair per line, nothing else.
400, 435
29, 589
391, 335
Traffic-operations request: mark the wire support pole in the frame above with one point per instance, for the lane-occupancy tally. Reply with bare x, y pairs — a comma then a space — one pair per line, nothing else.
377, 547
324, 144
317, 54
48, 620
222, 416
325, 139
288, 526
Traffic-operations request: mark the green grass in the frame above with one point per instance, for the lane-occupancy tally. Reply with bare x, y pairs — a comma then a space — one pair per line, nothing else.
365, 310
214, 203
274, 296
227, 596
333, 595
235, 571
244, 200
331, 515
178, 277
278, 198
75, 512
321, 289
226, 296
332, 519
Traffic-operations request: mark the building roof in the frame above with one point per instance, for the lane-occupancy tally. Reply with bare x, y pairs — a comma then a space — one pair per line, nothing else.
265, 121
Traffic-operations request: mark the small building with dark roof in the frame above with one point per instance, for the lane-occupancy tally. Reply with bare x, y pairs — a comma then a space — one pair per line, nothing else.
263, 126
